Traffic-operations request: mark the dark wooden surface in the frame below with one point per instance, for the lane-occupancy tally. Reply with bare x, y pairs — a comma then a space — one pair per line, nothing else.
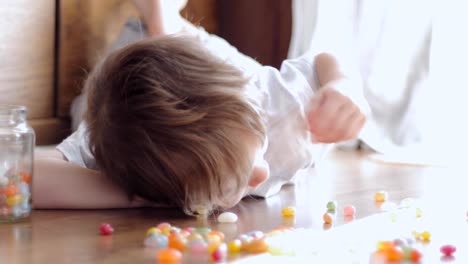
260, 28
349, 177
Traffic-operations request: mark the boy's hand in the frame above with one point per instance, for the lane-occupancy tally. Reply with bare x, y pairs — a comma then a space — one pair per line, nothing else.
334, 117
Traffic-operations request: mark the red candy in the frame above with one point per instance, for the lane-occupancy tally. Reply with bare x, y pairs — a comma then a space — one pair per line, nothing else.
106, 229
448, 250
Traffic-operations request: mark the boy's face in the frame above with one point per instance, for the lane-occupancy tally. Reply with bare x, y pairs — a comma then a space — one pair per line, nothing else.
260, 173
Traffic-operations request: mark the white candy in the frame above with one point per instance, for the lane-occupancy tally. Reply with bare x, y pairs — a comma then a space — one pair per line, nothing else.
227, 217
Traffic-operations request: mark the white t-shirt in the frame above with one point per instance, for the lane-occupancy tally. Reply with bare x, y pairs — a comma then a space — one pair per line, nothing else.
283, 97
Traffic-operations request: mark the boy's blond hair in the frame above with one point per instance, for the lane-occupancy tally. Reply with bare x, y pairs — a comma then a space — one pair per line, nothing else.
165, 121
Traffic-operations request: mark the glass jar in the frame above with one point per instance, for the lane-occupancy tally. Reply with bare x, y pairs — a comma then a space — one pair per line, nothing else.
17, 141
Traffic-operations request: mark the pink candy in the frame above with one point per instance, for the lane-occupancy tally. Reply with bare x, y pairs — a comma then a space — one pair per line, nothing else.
349, 210
106, 229
448, 250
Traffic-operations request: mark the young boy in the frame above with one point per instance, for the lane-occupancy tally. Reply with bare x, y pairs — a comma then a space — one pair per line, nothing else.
168, 122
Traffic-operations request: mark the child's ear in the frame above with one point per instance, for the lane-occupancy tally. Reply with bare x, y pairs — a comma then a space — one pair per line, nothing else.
260, 173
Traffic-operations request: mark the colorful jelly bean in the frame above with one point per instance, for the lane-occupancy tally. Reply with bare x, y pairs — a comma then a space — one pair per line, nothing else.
257, 245
448, 250
220, 253
349, 210
177, 241
381, 196
169, 255
106, 229
10, 190
165, 228
328, 218
332, 206
14, 200
218, 234
289, 211
153, 230
25, 177
158, 241
415, 256
197, 246
227, 217
202, 230
234, 246
425, 236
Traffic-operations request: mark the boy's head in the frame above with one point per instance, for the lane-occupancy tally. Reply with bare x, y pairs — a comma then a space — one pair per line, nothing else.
171, 123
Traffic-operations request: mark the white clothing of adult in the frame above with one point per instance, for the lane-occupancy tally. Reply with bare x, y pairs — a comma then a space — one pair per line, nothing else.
389, 41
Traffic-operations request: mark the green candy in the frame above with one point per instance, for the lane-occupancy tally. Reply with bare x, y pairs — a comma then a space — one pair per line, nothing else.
331, 206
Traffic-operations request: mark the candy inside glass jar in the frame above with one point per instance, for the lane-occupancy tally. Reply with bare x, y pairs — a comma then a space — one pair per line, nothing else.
17, 141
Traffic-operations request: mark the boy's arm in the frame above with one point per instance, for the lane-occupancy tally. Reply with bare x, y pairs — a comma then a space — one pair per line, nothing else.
334, 115
58, 183
161, 16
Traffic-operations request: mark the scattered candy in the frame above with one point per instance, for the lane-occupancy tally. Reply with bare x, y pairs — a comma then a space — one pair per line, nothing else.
332, 205
328, 218
25, 177
220, 253
381, 196
418, 212
169, 255
153, 230
415, 256
165, 228
227, 217
349, 210
425, 236
448, 250
156, 241
106, 229
234, 246
177, 241
257, 245
289, 211
202, 230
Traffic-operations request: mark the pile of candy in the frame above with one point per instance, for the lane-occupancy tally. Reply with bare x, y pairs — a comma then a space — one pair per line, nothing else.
202, 243
397, 250
15, 196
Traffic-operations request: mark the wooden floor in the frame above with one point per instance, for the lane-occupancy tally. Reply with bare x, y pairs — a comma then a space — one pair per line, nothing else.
348, 177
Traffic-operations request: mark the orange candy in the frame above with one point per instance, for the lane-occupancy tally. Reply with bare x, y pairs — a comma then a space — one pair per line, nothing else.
169, 255
257, 246
25, 177
328, 218
394, 254
177, 241
415, 255
10, 190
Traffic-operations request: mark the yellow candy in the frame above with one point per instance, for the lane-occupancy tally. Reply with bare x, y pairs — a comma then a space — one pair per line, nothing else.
213, 246
14, 200
153, 230
418, 212
234, 246
425, 236
381, 196
289, 211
